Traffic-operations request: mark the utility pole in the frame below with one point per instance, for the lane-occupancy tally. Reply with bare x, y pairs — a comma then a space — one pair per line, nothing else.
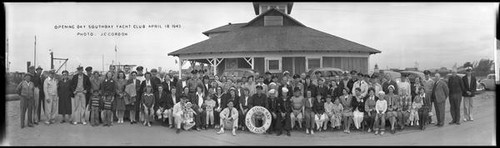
34, 61
102, 62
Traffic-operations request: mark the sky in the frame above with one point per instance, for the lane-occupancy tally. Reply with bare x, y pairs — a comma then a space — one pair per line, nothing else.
433, 35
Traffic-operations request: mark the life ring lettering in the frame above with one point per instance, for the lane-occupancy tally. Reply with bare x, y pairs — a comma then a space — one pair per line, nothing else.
258, 113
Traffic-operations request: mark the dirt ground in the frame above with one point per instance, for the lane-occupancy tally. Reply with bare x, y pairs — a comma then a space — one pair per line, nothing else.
481, 131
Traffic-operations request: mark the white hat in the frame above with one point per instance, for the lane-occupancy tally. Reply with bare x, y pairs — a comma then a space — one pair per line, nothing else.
272, 91
381, 93
284, 90
272, 83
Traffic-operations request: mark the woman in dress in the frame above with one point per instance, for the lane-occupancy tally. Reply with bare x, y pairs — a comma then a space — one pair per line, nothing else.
358, 108
120, 95
217, 97
345, 100
64, 93
132, 89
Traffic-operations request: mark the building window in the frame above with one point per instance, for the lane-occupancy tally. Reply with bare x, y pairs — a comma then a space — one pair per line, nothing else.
273, 20
313, 63
273, 65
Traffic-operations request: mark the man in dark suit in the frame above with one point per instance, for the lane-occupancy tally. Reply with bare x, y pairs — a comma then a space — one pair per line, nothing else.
468, 93
456, 87
322, 88
390, 81
439, 94
353, 79
155, 78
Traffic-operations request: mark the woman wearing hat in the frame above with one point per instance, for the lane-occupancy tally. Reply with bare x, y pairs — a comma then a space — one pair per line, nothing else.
347, 115
64, 93
393, 105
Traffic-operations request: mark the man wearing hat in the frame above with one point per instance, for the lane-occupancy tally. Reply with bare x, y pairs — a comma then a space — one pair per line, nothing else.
272, 107
469, 90
88, 71
258, 99
140, 73
268, 78
37, 79
283, 109
80, 86
25, 90
440, 93
456, 87
51, 100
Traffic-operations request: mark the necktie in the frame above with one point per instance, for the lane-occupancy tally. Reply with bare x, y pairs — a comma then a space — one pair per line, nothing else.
230, 112
433, 96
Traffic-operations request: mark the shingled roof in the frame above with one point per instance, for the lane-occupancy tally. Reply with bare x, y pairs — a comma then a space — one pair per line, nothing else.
226, 28
244, 38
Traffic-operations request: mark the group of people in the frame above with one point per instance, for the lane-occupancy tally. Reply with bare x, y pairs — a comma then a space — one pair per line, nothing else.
296, 102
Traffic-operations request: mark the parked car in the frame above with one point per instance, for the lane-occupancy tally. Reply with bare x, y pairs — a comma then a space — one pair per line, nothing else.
488, 83
413, 74
239, 73
396, 76
329, 73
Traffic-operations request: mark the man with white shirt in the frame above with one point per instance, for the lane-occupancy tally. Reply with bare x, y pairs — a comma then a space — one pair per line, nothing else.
404, 86
244, 106
361, 84
178, 111
51, 99
470, 85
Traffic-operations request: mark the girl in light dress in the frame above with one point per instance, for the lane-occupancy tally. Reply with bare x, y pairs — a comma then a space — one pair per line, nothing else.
188, 116
337, 114
416, 105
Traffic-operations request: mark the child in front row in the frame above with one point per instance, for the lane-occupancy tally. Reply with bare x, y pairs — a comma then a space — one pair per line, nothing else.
416, 105
381, 108
147, 102
209, 110
95, 108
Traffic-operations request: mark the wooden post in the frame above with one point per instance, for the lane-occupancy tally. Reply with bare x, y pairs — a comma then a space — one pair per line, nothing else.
180, 69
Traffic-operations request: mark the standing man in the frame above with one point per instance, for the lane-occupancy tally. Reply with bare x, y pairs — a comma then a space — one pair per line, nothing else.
439, 94
50, 85
80, 85
39, 96
428, 83
25, 90
88, 71
361, 84
386, 84
156, 79
469, 90
456, 87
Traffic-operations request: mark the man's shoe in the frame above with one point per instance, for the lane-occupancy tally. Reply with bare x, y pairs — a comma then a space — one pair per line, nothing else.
376, 132
178, 131
220, 132
451, 122
288, 133
234, 132
381, 133
458, 123
312, 132
279, 133
307, 131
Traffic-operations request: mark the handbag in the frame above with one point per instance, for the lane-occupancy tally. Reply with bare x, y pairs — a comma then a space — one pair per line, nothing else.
127, 99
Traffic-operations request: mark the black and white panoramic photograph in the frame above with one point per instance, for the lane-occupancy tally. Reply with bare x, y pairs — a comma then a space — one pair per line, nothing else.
250, 74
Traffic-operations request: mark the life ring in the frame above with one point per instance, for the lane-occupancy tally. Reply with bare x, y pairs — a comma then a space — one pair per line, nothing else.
262, 113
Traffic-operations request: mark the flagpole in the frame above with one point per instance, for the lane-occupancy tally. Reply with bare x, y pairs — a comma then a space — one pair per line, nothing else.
34, 60
116, 57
